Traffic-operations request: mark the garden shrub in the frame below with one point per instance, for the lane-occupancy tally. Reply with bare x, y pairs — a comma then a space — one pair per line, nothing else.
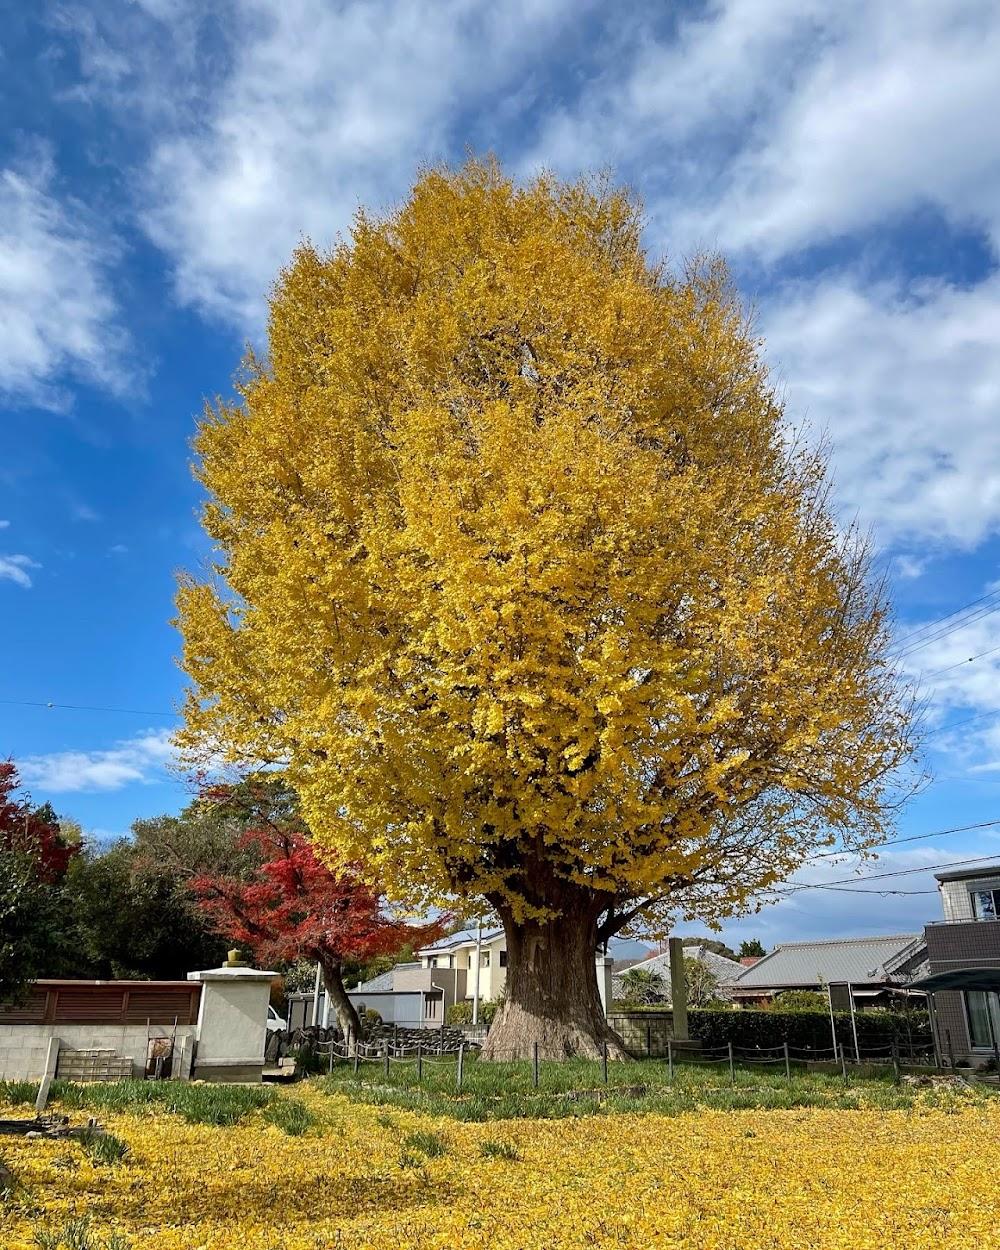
804, 1030
461, 1013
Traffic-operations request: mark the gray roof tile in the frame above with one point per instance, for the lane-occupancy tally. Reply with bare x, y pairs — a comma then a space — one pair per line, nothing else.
859, 960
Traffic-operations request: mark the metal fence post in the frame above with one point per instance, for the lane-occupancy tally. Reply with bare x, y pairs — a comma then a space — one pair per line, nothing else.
534, 1063
420, 1062
385, 1055
649, 1040
441, 1041
357, 1059
459, 1065
843, 1062
732, 1066
788, 1063
670, 1060
329, 1066
895, 1060
604, 1061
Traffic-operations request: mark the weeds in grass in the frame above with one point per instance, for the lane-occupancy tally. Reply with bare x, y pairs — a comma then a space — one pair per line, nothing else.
502, 1091
499, 1150
407, 1159
18, 1093
198, 1104
290, 1116
103, 1147
432, 1145
76, 1235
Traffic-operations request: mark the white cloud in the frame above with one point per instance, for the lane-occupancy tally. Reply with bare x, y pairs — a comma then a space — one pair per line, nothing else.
325, 108
765, 127
907, 383
139, 759
58, 316
4, 525
118, 549
894, 109
848, 905
15, 569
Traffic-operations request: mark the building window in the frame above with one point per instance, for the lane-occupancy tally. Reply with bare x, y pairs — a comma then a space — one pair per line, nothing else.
986, 904
980, 1008
503, 959
486, 959
433, 961
431, 1008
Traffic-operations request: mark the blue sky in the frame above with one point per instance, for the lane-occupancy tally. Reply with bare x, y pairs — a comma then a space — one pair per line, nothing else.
159, 159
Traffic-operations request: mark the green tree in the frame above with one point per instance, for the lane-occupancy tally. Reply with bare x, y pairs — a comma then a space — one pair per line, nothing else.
711, 944
643, 986
702, 983
751, 949
135, 918
800, 1000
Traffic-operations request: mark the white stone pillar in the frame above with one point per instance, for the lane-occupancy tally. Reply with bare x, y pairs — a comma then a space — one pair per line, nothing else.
232, 1023
604, 963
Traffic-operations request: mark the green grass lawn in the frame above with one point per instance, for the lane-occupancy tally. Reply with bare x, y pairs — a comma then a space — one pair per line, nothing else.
500, 1091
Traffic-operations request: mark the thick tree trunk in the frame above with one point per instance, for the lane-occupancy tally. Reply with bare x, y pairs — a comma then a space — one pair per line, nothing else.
333, 981
552, 996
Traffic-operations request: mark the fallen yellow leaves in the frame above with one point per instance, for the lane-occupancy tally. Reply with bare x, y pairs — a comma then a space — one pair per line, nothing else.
757, 1180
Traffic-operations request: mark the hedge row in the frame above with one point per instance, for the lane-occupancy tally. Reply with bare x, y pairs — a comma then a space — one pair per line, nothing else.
748, 1029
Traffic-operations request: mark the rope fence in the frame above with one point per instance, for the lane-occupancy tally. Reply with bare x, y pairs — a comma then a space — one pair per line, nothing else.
384, 1053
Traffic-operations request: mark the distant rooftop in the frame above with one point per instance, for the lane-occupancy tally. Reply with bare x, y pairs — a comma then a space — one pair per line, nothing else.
802, 964
466, 937
990, 869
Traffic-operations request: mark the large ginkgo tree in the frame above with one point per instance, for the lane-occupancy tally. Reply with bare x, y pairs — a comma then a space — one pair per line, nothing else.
523, 583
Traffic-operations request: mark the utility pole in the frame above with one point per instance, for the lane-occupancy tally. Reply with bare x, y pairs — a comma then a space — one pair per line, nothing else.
315, 1011
475, 979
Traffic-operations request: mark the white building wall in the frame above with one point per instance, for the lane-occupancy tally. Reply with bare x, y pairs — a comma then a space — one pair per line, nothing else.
232, 1023
956, 896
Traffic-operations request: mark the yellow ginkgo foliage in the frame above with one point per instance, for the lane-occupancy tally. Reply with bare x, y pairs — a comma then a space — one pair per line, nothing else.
523, 583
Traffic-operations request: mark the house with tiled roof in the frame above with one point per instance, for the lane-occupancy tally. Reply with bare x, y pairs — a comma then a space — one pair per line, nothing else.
872, 966
724, 970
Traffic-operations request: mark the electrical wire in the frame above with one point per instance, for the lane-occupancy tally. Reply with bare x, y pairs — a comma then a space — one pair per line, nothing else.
86, 707
920, 638
938, 671
875, 876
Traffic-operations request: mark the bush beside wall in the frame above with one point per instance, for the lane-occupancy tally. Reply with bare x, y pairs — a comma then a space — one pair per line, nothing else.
753, 1029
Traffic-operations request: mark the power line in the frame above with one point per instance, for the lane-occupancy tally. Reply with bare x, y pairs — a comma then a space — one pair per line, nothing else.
915, 837
964, 721
938, 671
931, 631
879, 876
84, 707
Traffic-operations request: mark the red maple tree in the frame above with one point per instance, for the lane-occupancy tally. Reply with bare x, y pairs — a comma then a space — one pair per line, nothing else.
33, 832
294, 905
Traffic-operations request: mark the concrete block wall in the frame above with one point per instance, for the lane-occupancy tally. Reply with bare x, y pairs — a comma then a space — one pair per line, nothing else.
24, 1047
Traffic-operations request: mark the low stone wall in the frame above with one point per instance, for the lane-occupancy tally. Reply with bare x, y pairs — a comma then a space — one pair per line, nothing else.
644, 1032
24, 1047
447, 1038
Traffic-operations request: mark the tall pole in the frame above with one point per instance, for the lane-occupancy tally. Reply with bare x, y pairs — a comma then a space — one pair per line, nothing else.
854, 1023
315, 1012
678, 989
833, 1022
475, 979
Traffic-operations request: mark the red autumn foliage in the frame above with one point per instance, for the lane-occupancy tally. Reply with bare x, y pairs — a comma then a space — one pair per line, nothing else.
32, 831
295, 906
